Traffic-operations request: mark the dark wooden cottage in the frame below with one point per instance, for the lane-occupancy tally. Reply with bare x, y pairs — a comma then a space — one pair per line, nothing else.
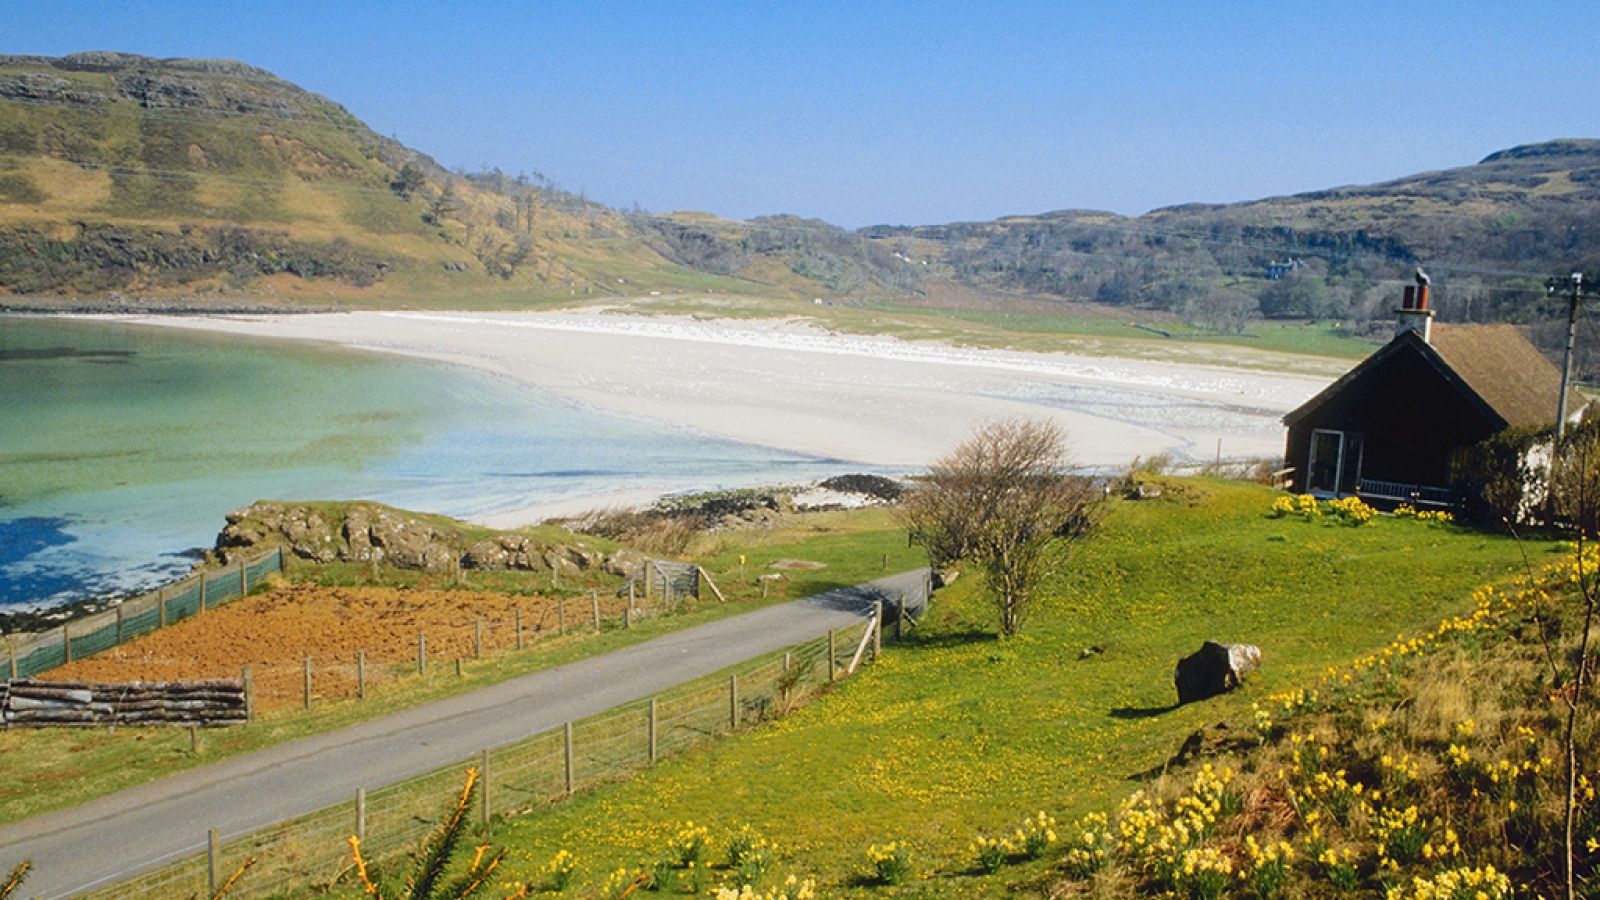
1390, 429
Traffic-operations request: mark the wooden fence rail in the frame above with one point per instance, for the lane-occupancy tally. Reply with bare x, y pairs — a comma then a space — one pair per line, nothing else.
220, 701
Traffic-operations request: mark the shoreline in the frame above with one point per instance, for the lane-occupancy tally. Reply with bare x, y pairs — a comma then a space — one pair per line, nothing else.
860, 400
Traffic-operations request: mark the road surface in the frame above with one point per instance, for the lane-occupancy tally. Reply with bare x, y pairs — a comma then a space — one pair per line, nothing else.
116, 836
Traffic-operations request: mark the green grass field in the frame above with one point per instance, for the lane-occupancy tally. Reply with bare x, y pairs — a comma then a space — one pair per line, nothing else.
955, 734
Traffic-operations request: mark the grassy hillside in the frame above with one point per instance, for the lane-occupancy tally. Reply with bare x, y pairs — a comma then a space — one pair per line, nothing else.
955, 735
215, 179
213, 184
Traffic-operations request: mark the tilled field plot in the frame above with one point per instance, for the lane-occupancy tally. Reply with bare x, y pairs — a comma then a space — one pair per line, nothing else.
275, 632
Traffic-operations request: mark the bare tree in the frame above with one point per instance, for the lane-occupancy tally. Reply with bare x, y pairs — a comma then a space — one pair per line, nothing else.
1000, 501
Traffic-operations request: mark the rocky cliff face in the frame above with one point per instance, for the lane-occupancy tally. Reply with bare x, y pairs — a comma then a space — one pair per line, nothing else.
372, 533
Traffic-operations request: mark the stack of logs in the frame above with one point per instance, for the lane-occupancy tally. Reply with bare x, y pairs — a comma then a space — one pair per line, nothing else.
219, 701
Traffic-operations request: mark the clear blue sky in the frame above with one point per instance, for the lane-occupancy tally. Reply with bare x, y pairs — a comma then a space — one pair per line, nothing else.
907, 113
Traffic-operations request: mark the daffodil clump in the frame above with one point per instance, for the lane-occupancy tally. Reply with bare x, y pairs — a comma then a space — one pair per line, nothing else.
1438, 516
890, 863
793, 888
559, 870
750, 855
1090, 844
1456, 884
1267, 866
1352, 510
991, 853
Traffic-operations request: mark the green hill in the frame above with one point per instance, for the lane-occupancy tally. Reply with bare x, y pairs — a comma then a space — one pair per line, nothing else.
210, 178
219, 184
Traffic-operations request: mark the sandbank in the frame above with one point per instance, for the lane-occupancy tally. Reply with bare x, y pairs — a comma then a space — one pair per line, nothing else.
865, 400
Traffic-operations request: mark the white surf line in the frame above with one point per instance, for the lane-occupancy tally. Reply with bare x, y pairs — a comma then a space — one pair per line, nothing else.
891, 349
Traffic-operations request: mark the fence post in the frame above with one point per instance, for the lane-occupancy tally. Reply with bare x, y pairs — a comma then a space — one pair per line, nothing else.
572, 781
422, 653
194, 740
886, 562
244, 579
561, 615
66, 644
477, 639
161, 601
877, 629
119, 623
733, 700
632, 598
361, 674
833, 660
458, 667
594, 602
484, 775
202, 577
788, 660
308, 682
649, 581
651, 726
361, 813
211, 861
11, 651
627, 616
519, 627
249, 693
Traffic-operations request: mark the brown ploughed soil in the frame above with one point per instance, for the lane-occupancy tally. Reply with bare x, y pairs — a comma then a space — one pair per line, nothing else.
276, 631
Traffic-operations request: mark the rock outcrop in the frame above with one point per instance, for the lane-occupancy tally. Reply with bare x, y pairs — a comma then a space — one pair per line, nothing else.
1214, 669
372, 533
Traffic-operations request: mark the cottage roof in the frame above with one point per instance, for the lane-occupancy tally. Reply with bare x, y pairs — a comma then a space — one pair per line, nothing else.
1507, 371
1504, 374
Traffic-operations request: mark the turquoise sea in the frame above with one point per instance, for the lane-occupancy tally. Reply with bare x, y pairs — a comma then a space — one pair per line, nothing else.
122, 447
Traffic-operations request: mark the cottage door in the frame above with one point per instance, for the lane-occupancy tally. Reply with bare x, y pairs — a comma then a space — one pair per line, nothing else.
1326, 463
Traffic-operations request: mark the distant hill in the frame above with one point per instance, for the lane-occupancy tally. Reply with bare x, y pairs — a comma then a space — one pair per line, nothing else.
211, 180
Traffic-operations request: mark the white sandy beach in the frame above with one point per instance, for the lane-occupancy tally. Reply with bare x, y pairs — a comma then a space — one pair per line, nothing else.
868, 400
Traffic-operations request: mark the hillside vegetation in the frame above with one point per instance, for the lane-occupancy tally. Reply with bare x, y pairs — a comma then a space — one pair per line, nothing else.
955, 736
215, 184
210, 177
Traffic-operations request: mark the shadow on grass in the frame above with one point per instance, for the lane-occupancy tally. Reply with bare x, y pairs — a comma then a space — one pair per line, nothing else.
1141, 712
952, 638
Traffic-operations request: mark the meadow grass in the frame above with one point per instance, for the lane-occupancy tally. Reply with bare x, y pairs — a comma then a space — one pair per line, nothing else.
955, 734
50, 769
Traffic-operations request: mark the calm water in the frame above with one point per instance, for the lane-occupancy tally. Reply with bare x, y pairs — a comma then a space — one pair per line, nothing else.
122, 447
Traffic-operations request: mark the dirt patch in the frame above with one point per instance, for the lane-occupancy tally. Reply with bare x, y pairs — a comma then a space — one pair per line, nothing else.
275, 632
796, 564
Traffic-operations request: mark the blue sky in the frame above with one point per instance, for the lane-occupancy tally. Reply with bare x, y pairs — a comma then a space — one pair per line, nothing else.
905, 113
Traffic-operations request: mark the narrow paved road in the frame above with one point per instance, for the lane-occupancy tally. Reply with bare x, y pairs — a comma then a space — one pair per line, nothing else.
113, 837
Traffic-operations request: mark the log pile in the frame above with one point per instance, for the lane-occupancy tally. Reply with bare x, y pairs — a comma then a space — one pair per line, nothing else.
219, 701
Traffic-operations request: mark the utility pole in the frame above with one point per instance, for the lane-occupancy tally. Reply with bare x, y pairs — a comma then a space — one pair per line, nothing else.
1575, 295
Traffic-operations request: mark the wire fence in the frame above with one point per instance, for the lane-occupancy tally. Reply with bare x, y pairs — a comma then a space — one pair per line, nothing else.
311, 853
30, 654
